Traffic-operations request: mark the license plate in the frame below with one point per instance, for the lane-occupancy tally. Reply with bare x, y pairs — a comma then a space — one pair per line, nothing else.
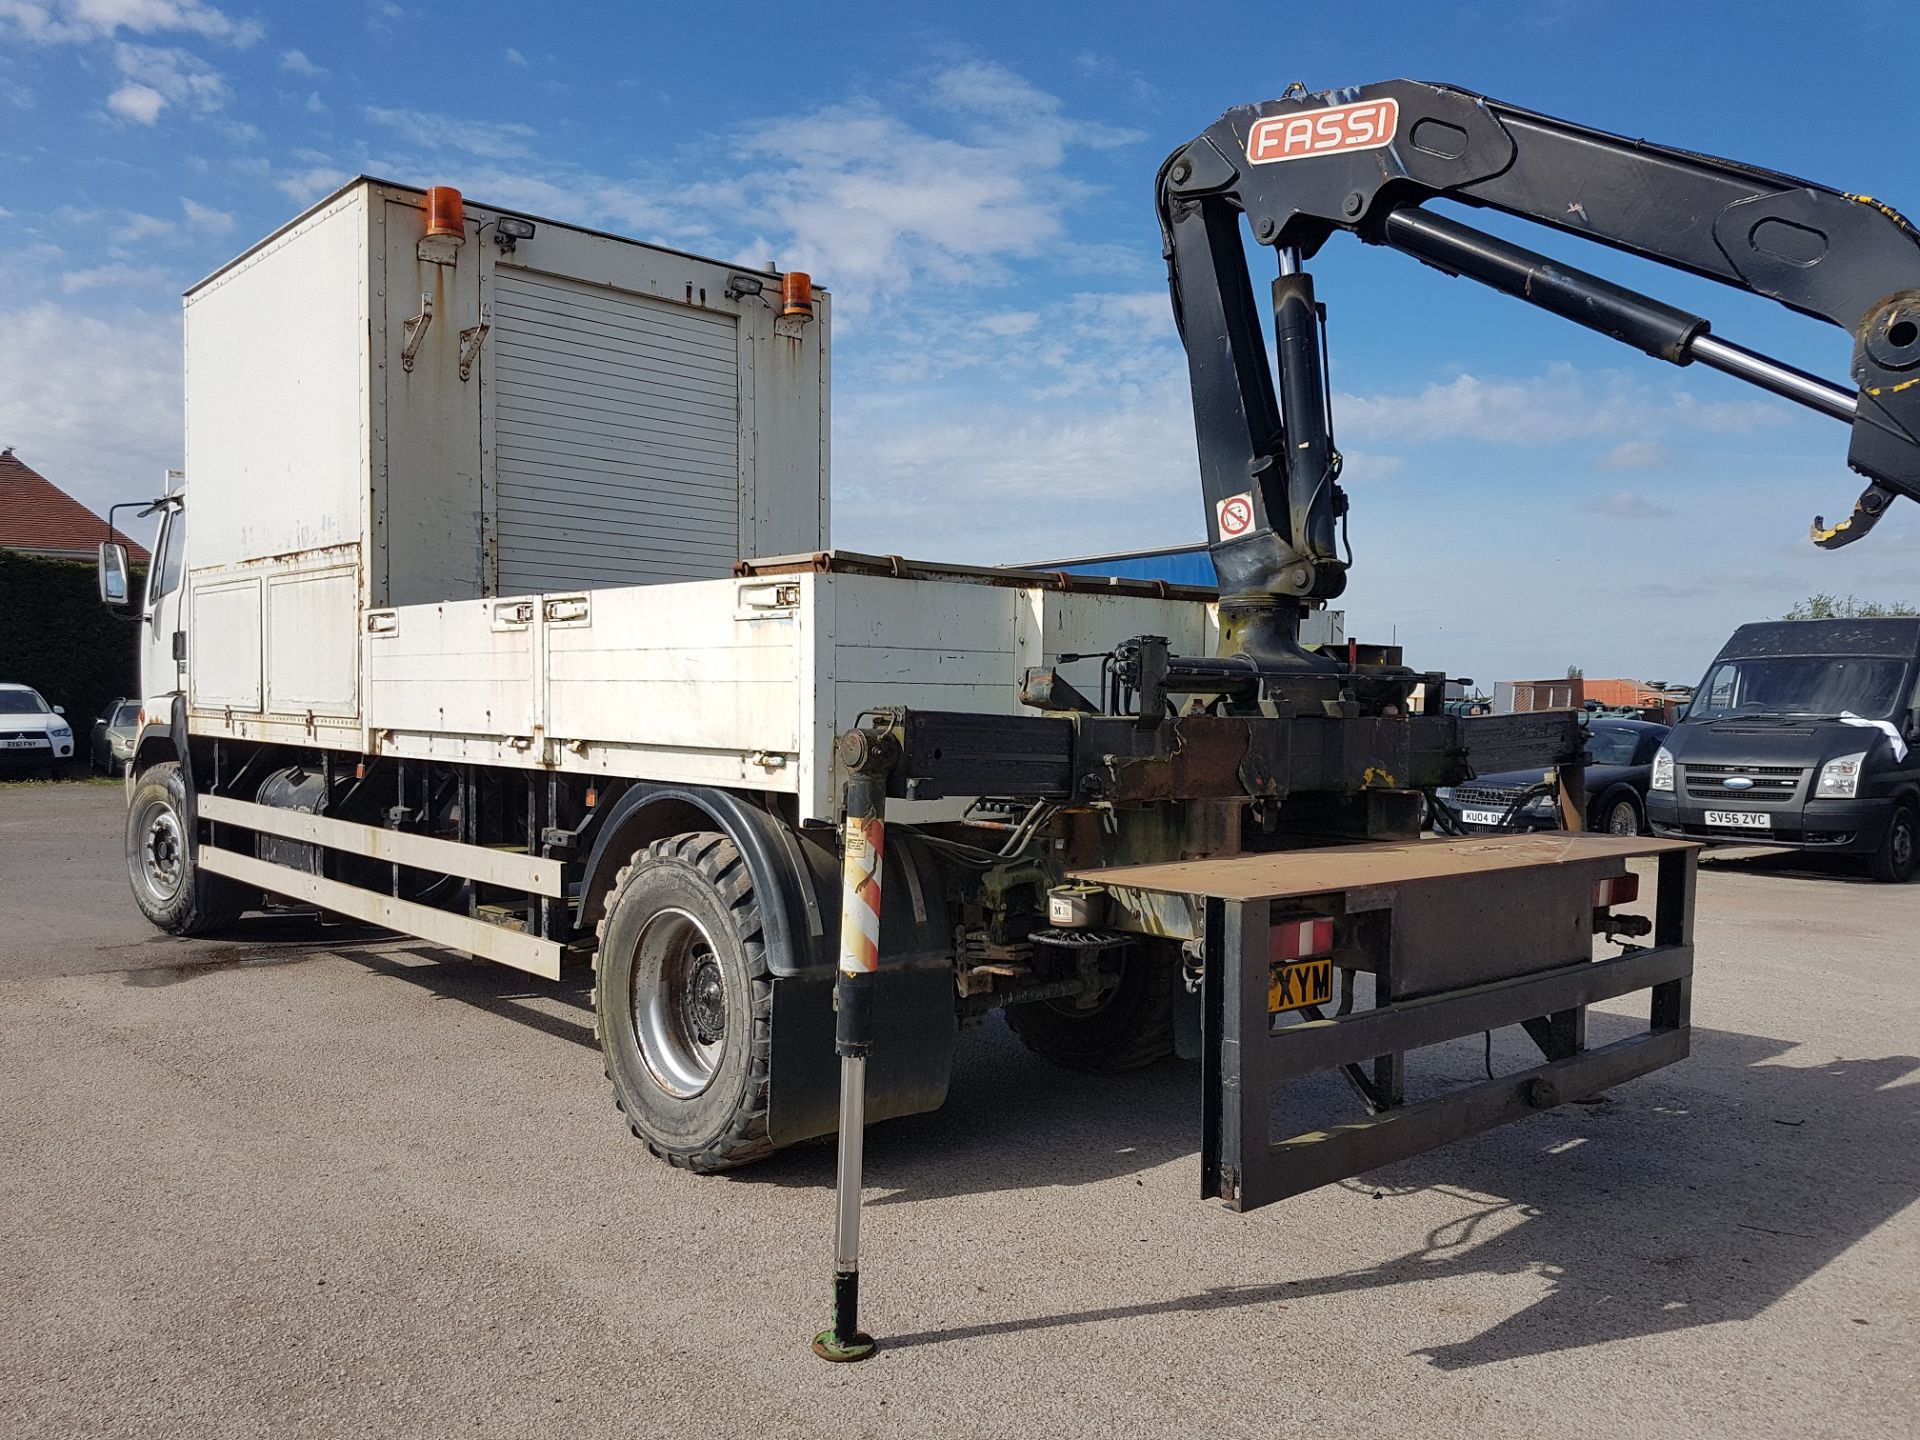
1296, 984
27, 744
1484, 817
1740, 819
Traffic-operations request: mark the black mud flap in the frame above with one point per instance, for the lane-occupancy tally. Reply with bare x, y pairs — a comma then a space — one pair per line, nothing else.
914, 1029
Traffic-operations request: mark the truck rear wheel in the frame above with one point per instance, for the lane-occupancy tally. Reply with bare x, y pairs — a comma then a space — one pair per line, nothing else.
1894, 861
683, 1001
1131, 1026
163, 862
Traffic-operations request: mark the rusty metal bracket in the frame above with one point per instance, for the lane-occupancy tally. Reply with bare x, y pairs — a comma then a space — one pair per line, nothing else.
413, 330
472, 338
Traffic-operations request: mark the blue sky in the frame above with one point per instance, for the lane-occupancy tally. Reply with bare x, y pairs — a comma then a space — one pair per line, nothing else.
974, 184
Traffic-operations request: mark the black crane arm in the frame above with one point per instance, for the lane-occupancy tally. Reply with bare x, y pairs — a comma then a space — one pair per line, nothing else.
1365, 160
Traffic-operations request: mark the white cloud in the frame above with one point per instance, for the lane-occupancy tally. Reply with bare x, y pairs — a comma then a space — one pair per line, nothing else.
93, 404
514, 57
154, 77
117, 274
1627, 505
205, 217
1562, 405
295, 62
1634, 455
484, 139
176, 76
70, 22
139, 103
961, 176
306, 185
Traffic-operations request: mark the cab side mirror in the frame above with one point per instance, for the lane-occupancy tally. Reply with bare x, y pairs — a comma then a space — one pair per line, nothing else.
59, 709
113, 573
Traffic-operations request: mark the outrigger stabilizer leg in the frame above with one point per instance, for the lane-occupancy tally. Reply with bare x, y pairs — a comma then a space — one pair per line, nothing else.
867, 759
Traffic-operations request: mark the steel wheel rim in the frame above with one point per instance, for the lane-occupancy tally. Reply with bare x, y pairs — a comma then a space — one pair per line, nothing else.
1620, 819
162, 858
1902, 843
679, 1003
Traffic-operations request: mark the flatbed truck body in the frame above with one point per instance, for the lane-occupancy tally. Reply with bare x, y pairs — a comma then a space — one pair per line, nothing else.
497, 607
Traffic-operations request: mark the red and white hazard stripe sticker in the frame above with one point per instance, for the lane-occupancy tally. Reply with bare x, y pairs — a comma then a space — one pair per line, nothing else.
860, 896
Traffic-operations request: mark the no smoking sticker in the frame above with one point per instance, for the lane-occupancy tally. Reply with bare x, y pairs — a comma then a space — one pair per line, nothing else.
1235, 514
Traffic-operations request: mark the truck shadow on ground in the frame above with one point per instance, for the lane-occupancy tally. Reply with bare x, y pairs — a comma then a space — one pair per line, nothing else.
254, 942
1694, 1197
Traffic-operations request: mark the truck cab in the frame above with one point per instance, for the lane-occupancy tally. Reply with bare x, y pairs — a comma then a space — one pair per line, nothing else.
1802, 735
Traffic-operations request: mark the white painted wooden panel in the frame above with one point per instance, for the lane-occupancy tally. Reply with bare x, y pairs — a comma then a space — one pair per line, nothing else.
223, 667
466, 667
617, 436
313, 652
685, 666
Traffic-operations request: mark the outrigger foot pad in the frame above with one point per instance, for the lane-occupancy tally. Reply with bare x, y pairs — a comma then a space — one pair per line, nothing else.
843, 1351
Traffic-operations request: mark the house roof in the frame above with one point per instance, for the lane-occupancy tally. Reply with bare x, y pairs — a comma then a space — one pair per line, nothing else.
38, 517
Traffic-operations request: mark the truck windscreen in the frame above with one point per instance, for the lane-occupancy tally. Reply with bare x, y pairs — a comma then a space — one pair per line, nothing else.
1801, 685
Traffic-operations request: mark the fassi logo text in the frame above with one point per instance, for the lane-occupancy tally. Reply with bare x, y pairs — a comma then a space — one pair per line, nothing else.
1366, 126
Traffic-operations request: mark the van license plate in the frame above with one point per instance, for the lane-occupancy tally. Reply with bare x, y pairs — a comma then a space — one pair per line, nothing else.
1740, 819
1294, 985
1483, 817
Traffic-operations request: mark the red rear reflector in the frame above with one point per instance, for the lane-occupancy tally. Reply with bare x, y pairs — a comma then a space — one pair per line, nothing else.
1294, 938
1620, 890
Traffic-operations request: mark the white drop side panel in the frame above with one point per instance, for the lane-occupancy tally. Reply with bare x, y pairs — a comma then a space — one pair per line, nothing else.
223, 629
466, 667
698, 683
617, 436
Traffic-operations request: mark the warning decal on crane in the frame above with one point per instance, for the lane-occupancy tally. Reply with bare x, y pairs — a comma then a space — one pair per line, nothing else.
1366, 126
1235, 514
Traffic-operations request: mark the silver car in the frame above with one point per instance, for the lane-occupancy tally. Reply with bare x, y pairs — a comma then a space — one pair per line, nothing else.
113, 736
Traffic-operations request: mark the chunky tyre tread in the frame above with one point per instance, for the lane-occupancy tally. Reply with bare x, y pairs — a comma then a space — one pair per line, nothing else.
744, 1138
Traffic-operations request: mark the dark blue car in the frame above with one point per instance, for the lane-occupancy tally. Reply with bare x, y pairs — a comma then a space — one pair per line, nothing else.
1622, 754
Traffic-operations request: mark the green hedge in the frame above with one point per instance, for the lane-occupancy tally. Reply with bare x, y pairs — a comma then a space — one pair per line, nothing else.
56, 636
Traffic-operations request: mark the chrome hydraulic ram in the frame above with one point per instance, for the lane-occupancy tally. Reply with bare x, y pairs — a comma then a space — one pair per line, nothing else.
867, 759
1649, 325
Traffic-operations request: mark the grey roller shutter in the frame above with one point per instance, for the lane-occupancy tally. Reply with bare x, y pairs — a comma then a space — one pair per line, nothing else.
617, 436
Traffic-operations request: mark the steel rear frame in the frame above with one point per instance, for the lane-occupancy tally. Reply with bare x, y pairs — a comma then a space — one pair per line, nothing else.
1245, 1056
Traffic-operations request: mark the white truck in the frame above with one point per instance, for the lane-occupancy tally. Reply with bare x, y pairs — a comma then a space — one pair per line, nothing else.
456, 626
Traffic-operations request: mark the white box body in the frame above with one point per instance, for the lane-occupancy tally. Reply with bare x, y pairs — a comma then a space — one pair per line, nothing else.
531, 564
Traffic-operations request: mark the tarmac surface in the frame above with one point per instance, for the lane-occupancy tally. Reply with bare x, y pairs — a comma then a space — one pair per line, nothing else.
307, 1181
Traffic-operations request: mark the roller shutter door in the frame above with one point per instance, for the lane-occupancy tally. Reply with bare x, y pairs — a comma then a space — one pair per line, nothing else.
617, 437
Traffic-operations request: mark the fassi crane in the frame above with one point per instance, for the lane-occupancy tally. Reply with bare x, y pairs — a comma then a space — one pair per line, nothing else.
1366, 161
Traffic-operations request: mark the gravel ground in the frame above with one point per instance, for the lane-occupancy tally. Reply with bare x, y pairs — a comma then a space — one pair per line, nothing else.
306, 1180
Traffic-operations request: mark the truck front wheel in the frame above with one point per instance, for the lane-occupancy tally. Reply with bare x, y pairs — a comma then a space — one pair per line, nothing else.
1129, 1027
163, 860
683, 1001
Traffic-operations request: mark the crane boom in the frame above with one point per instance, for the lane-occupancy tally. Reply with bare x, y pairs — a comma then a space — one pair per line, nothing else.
1366, 161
